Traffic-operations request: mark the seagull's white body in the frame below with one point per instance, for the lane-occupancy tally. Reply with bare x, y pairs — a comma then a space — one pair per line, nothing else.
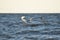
23, 19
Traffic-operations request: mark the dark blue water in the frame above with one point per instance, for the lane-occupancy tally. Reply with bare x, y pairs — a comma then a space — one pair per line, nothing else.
12, 28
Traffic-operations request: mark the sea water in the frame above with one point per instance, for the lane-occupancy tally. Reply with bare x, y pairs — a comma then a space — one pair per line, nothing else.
12, 27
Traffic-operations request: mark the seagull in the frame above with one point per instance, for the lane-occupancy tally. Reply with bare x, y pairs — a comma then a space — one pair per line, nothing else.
31, 22
23, 18
25, 22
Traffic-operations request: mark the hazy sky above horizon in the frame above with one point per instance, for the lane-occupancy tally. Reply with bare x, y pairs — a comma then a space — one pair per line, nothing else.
29, 6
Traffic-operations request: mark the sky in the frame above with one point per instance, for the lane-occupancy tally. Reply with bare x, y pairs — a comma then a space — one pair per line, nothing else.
29, 6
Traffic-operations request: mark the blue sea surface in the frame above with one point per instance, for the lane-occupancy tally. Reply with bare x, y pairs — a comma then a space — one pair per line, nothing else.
12, 27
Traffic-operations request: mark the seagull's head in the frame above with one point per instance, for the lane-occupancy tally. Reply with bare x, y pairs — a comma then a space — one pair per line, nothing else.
23, 17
